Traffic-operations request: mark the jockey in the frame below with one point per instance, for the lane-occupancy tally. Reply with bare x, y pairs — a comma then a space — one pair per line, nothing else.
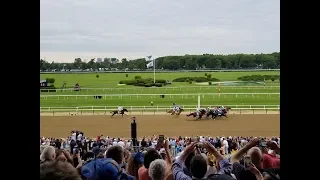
176, 107
120, 108
198, 111
219, 110
208, 109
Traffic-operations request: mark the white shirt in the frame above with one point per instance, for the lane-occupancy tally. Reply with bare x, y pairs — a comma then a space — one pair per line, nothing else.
79, 138
121, 143
73, 136
114, 143
225, 143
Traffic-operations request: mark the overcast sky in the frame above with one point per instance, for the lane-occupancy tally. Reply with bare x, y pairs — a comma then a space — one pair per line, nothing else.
137, 28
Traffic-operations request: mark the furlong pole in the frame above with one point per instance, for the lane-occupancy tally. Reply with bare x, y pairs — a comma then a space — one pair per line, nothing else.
154, 70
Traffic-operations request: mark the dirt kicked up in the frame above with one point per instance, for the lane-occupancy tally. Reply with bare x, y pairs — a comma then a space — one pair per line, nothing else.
148, 125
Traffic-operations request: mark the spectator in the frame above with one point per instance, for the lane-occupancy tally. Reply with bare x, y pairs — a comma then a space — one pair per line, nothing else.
58, 170
255, 154
135, 161
149, 156
158, 170
270, 160
48, 154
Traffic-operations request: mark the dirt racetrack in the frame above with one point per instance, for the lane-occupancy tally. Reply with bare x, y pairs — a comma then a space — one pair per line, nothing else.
148, 125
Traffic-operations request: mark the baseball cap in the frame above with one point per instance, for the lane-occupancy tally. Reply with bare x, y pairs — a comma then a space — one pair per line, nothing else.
138, 157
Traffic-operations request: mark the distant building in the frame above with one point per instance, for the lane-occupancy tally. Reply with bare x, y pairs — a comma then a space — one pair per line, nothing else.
99, 60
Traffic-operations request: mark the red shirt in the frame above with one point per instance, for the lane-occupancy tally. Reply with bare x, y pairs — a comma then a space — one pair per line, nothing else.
143, 173
270, 161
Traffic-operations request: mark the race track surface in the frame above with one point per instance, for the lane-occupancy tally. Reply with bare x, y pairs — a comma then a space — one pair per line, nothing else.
148, 125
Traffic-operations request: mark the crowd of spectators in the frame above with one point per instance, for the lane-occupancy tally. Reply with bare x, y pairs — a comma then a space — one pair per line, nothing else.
181, 158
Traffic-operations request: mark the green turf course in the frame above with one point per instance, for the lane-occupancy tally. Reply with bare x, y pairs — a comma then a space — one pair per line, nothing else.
167, 101
112, 79
163, 90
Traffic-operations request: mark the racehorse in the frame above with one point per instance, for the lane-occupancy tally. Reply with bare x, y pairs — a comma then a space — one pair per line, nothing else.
195, 114
117, 112
214, 113
177, 113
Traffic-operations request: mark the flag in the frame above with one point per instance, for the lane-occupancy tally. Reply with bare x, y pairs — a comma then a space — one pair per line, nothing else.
150, 64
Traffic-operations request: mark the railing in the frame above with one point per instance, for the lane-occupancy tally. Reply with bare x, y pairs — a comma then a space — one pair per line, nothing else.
165, 88
157, 108
150, 111
187, 94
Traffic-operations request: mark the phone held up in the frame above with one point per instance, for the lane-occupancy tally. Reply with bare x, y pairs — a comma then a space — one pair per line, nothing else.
161, 139
247, 160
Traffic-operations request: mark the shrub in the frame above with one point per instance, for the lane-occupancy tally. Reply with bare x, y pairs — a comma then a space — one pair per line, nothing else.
137, 77
161, 81
209, 76
50, 80
205, 74
158, 84
197, 79
190, 82
144, 82
97, 75
210, 83
259, 77
127, 75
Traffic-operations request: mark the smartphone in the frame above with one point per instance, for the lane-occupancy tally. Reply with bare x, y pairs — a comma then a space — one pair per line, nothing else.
161, 138
247, 160
262, 143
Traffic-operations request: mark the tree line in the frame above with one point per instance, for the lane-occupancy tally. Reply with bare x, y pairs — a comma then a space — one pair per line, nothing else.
186, 62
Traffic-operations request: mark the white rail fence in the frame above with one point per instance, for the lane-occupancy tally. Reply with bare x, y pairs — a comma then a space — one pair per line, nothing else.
154, 95
151, 110
165, 88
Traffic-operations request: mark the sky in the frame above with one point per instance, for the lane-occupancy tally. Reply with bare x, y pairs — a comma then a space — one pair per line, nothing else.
133, 29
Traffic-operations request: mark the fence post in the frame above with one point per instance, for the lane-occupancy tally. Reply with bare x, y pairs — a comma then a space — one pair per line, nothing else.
81, 112
253, 111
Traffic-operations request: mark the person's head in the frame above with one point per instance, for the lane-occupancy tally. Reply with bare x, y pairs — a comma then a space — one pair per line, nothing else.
58, 170
163, 153
115, 153
188, 160
198, 166
134, 162
158, 169
256, 156
48, 154
150, 156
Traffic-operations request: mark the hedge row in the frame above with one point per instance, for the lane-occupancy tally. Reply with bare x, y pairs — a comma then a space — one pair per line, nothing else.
259, 77
144, 82
196, 79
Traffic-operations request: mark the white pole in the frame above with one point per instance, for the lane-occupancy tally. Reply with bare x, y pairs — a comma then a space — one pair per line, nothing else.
198, 101
154, 70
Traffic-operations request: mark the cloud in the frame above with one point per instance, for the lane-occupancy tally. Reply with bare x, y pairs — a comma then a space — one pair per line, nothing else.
126, 28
